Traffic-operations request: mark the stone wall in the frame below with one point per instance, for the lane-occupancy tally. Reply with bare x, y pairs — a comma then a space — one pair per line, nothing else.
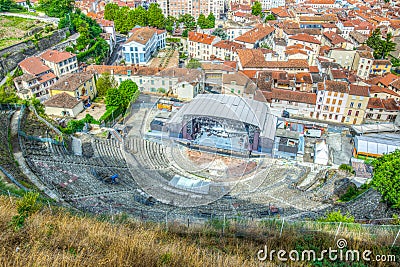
12, 55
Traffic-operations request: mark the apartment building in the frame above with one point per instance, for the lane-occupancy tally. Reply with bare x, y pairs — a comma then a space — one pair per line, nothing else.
362, 63
35, 81
356, 104
226, 50
201, 45
331, 101
268, 4
61, 63
177, 8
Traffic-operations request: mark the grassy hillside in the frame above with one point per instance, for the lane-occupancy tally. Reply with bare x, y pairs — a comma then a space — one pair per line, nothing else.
56, 237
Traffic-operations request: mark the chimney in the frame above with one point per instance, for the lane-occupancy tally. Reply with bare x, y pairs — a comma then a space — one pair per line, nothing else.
66, 83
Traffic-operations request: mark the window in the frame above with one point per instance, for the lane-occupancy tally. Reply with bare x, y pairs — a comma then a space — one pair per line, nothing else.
336, 117
332, 109
340, 102
152, 82
357, 112
352, 104
347, 119
330, 116
359, 105
333, 101
349, 112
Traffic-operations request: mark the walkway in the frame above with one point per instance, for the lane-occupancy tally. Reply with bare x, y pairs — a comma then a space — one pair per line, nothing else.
44, 19
21, 161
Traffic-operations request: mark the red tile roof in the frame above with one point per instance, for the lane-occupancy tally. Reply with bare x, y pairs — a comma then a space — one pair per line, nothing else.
388, 79
254, 58
229, 45
334, 86
377, 89
334, 38
305, 38
314, 69
123, 70
201, 38
62, 100
56, 56
387, 104
33, 65
375, 103
256, 34
293, 96
359, 90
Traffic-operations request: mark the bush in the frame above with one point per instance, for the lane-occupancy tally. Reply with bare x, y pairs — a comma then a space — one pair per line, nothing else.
353, 192
26, 206
337, 216
347, 168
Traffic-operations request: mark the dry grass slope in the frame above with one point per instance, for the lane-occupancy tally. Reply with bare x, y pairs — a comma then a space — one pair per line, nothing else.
59, 238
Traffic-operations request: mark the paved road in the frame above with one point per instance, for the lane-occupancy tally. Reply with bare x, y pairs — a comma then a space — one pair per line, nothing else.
41, 18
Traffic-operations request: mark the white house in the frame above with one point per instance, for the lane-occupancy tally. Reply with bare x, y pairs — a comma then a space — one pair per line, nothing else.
142, 43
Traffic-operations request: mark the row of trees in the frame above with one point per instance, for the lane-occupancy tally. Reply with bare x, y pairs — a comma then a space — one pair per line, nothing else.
382, 46
125, 18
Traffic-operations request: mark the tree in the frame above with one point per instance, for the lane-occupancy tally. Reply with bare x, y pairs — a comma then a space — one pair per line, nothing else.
170, 23
210, 21
5, 5
104, 83
374, 40
193, 64
128, 89
220, 33
387, 46
114, 98
155, 16
188, 21
256, 9
111, 11
381, 47
270, 17
56, 8
201, 21
141, 16
386, 179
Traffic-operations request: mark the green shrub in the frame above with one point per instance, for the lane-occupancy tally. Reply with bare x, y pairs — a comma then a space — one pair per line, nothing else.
337, 216
345, 167
26, 206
